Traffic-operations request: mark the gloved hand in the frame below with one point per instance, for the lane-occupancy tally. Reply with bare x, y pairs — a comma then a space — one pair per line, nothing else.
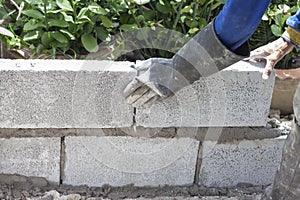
150, 85
203, 55
272, 53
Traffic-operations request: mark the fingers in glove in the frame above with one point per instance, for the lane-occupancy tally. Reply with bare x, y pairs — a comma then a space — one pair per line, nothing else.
149, 103
131, 87
137, 94
144, 98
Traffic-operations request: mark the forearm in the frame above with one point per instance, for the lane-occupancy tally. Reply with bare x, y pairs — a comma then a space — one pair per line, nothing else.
292, 34
238, 20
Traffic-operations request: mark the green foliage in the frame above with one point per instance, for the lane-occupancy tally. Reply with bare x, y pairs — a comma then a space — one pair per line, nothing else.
273, 22
273, 25
56, 26
77, 27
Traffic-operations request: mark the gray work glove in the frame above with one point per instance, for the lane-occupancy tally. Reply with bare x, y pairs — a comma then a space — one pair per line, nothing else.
202, 56
158, 78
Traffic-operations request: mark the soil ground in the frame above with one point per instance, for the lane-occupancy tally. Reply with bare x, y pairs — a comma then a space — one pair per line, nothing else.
17, 192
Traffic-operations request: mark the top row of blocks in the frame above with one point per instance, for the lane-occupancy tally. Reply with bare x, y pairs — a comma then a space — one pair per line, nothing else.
88, 94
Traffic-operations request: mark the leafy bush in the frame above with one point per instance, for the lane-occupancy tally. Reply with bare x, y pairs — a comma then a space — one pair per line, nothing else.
56, 26
76, 27
273, 25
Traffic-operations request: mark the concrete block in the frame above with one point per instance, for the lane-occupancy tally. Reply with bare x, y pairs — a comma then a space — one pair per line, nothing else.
245, 162
64, 94
33, 157
236, 96
120, 161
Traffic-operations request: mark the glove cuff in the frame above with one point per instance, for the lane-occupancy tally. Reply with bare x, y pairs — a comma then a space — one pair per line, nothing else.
292, 36
205, 54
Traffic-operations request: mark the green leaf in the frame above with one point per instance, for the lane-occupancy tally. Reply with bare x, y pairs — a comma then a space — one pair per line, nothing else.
89, 42
33, 35
163, 8
127, 27
140, 18
34, 14
95, 8
149, 15
102, 33
82, 12
6, 32
215, 6
34, 2
64, 4
82, 17
202, 23
39, 48
70, 36
58, 36
57, 23
56, 11
186, 9
141, 2
83, 20
68, 18
106, 22
32, 25
276, 30
46, 38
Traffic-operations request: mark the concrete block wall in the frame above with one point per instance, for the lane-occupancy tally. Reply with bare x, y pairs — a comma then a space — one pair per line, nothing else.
87, 94
67, 121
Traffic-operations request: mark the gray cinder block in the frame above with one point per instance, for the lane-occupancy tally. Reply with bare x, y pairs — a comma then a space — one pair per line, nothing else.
236, 96
245, 162
64, 94
120, 161
33, 157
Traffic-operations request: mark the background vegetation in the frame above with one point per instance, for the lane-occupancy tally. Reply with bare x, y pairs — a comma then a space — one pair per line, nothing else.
75, 28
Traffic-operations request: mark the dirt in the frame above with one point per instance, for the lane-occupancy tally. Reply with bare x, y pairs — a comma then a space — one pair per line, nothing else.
15, 187
15, 192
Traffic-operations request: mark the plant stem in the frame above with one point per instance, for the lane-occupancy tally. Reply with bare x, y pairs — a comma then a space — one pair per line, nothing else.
134, 17
195, 10
177, 16
46, 14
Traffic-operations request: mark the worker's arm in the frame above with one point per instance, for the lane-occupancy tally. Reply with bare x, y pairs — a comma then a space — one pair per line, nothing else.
220, 44
292, 34
238, 20
275, 51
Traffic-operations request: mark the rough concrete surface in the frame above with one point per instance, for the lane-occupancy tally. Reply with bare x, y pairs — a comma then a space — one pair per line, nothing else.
119, 161
64, 94
240, 163
236, 96
35, 157
62, 192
